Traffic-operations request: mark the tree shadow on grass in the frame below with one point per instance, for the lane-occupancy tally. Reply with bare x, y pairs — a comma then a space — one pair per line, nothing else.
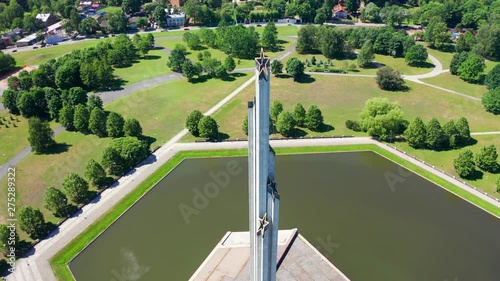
298, 133
305, 79
423, 65
282, 76
116, 84
222, 136
200, 79
151, 57
476, 175
325, 128
57, 148
147, 140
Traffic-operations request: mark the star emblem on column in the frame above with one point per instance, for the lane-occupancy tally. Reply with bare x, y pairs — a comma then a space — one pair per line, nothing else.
272, 188
262, 61
263, 223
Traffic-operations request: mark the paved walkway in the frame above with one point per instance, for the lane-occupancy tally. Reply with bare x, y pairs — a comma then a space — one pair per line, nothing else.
37, 267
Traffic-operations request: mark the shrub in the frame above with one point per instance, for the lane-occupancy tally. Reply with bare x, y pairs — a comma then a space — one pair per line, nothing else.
353, 125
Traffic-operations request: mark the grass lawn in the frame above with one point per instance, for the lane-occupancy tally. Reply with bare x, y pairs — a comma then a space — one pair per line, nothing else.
110, 9
161, 110
12, 139
155, 64
60, 261
244, 63
283, 30
342, 98
396, 63
453, 82
41, 55
443, 57
444, 161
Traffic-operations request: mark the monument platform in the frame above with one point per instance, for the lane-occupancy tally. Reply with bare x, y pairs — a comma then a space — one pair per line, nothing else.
297, 260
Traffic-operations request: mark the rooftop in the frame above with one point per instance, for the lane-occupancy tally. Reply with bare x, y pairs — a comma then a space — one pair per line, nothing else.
43, 17
297, 260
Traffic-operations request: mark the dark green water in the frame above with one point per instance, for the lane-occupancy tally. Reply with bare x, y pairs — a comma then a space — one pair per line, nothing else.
372, 230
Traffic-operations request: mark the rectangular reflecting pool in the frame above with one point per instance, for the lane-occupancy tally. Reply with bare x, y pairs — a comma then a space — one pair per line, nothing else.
373, 219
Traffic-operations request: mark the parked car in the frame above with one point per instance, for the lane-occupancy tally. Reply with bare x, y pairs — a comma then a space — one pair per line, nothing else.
35, 47
43, 45
258, 25
186, 28
14, 51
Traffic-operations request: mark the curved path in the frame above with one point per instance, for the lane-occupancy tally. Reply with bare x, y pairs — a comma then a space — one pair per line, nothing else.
37, 267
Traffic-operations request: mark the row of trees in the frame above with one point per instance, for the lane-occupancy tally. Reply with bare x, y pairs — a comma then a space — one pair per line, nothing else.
486, 160
202, 126
436, 137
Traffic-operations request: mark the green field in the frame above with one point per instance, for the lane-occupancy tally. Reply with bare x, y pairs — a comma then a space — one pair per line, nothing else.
12, 139
244, 63
342, 98
41, 55
282, 31
453, 82
110, 9
444, 160
443, 57
398, 64
155, 64
161, 110
60, 261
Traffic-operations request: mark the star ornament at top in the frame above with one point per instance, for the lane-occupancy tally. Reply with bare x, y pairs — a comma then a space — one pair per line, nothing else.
262, 61
263, 223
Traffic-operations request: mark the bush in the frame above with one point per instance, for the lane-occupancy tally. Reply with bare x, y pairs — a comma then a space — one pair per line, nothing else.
389, 79
353, 125
491, 101
492, 80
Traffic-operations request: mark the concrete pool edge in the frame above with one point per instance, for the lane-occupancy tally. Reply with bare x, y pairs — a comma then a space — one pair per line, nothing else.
61, 251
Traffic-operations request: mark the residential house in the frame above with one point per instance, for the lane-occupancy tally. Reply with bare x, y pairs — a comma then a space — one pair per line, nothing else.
339, 11
14, 33
5, 41
27, 41
46, 19
176, 20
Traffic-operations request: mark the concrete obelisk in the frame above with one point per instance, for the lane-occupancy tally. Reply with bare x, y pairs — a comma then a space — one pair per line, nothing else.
263, 195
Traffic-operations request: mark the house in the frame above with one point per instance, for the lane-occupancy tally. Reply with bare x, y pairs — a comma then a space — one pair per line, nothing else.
132, 22
14, 33
339, 11
176, 20
176, 3
46, 19
27, 41
5, 42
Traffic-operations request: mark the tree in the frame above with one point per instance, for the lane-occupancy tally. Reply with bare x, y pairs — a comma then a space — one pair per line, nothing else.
451, 131
416, 133
488, 40
457, 60
208, 128
55, 104
6, 240
93, 102
382, 118
192, 122
276, 67
436, 34
389, 79
462, 126
294, 68
192, 40
177, 58
32, 103
142, 22
68, 74
56, 202
97, 122
366, 55
229, 64
112, 161
7, 63
464, 164
131, 150
189, 70
285, 124
81, 118
314, 118
269, 38
118, 21
66, 117
159, 15
275, 110
131, 6
486, 159
244, 126
132, 128
114, 125
76, 188
9, 101
436, 137
492, 80
88, 26
471, 69
331, 42
416, 55
32, 222
371, 13
307, 42
465, 42
299, 114
144, 46
95, 173
40, 136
